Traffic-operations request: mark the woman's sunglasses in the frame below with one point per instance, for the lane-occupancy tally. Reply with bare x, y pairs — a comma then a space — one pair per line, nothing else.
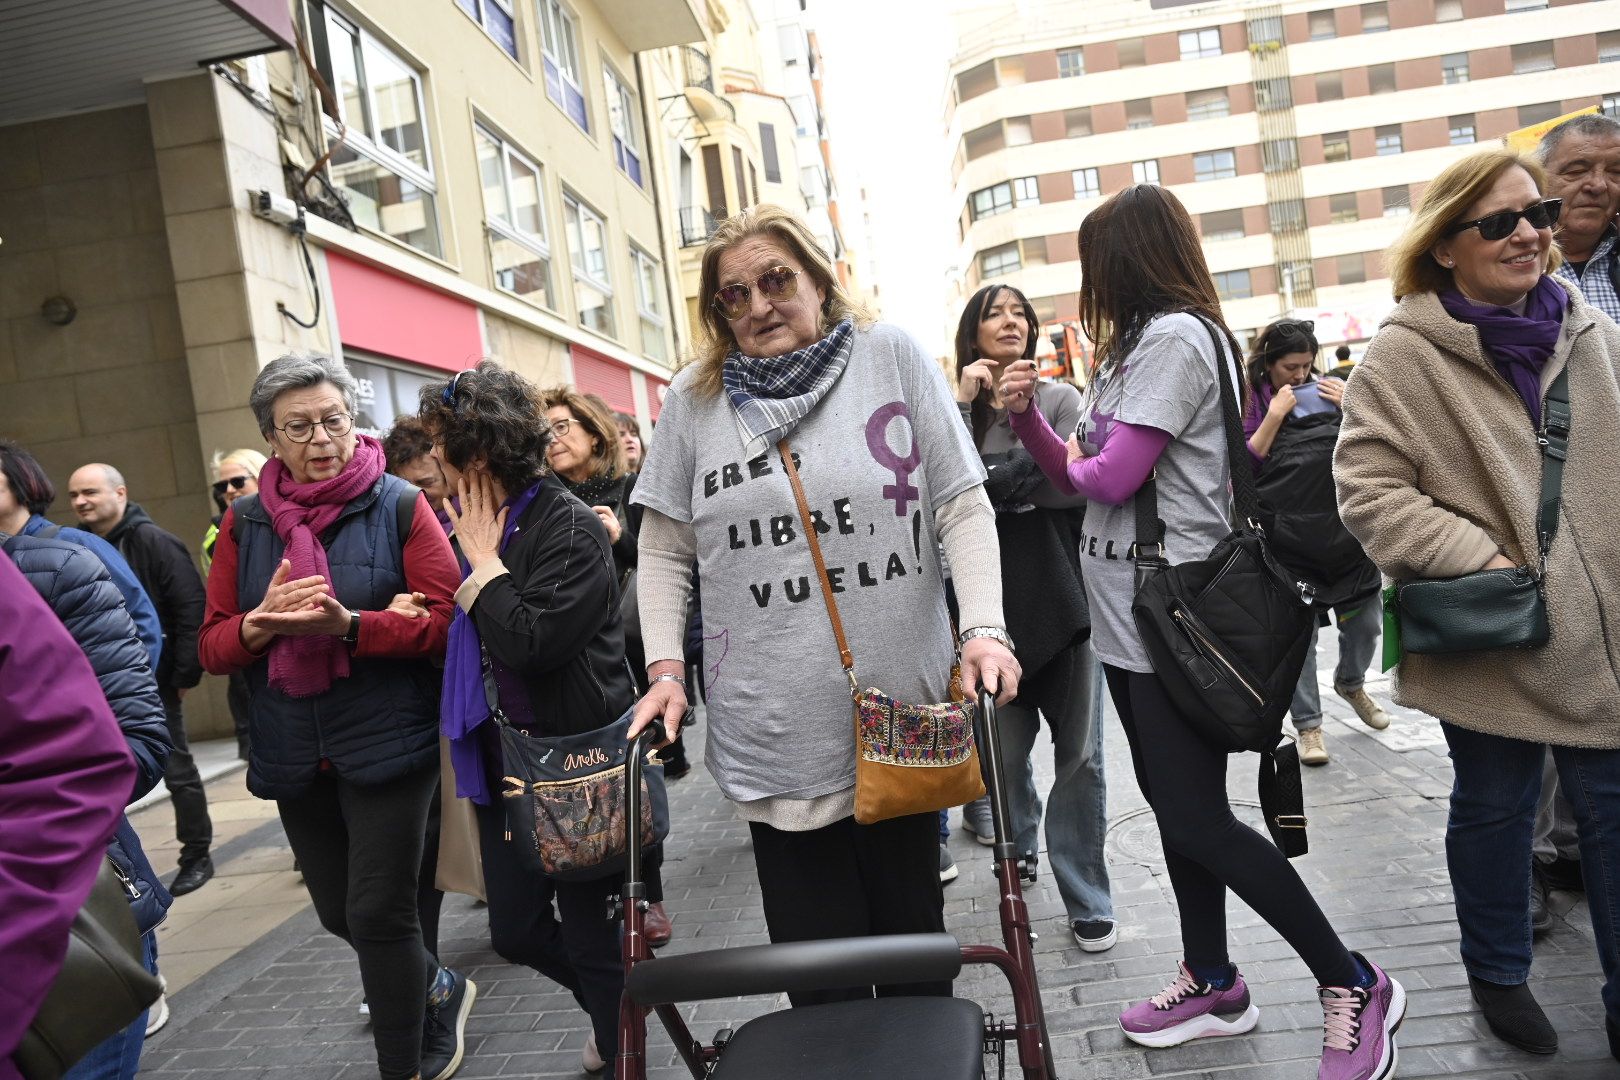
777, 283
1499, 226
235, 483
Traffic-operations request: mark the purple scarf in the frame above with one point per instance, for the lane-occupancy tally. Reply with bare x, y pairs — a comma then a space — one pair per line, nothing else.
305, 665
1518, 345
463, 706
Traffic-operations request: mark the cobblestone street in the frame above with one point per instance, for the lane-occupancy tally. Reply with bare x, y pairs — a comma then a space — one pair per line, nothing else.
284, 1006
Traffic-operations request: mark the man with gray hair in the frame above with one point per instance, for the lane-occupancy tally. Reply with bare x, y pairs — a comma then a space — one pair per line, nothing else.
1582, 159
163, 565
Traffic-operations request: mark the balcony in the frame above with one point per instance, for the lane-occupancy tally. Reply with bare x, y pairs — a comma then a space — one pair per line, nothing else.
700, 92
653, 24
699, 71
698, 224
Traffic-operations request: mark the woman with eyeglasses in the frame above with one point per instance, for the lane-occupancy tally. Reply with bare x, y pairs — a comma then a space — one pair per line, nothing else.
1291, 423
1440, 471
1153, 408
889, 473
344, 708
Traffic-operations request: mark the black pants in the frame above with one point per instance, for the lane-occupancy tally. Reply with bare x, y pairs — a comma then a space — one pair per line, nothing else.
850, 880
360, 849
1206, 848
192, 826
575, 943
429, 897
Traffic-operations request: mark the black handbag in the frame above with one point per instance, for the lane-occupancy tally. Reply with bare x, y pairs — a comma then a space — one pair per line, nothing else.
103, 986
1227, 634
1495, 609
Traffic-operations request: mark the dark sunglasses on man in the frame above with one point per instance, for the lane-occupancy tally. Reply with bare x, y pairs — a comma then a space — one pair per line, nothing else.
1499, 226
777, 283
234, 483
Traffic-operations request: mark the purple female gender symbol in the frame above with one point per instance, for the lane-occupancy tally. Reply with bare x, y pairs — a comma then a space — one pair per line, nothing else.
877, 440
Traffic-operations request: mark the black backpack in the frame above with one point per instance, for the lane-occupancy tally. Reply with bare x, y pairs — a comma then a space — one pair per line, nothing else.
1227, 634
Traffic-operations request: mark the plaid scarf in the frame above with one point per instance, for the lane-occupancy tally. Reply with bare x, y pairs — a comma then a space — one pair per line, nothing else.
771, 395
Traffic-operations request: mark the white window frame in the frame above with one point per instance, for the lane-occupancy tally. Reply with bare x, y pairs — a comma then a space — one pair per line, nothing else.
483, 23
1345, 142
560, 46
1023, 191
1206, 42
629, 144
1213, 108
1000, 253
1224, 275
1216, 171
1381, 148
648, 315
1092, 190
576, 254
1145, 172
356, 134
1076, 65
505, 227
1453, 127
1449, 69
1216, 234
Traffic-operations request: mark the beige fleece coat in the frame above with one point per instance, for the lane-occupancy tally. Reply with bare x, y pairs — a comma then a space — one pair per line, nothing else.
1438, 469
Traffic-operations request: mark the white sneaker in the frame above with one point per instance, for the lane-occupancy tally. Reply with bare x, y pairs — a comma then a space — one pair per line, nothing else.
1312, 750
157, 1015
591, 1058
1372, 714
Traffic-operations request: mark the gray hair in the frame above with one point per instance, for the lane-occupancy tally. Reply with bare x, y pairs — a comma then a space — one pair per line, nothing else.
1588, 124
294, 372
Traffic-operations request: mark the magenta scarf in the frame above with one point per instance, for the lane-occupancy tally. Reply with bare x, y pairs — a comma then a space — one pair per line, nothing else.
305, 665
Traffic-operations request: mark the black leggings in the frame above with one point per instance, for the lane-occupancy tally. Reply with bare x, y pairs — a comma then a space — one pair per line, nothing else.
1206, 848
360, 849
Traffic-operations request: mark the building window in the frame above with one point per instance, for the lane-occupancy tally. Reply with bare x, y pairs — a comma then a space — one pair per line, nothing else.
559, 48
1388, 139
985, 140
1336, 146
1002, 197
1342, 208
1132, 53
1462, 130
1381, 78
1077, 122
1454, 68
1539, 114
767, 150
1611, 106
1330, 86
1277, 155
1322, 25
1374, 18
1273, 94
1221, 225
1352, 269
624, 121
1448, 11
1268, 28
1208, 104
1145, 172
1019, 132
1532, 56
1287, 215
1525, 5
1196, 44
649, 303
1397, 201
1071, 63
495, 16
999, 261
976, 80
515, 215
1233, 285
1085, 184
1139, 114
1215, 165
1609, 46
1295, 274
588, 253
382, 164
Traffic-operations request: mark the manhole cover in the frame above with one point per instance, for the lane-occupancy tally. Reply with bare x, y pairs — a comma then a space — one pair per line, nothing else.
1134, 838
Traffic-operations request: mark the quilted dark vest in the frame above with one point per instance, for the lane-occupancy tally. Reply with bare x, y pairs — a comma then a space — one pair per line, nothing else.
380, 723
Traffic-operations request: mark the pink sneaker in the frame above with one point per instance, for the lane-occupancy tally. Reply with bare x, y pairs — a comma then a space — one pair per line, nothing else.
1358, 1027
1187, 1010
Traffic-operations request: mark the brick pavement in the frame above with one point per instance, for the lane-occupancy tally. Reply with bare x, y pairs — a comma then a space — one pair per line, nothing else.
284, 1008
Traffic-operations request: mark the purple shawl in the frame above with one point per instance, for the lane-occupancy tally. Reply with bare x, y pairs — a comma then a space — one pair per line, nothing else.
1518, 345
463, 706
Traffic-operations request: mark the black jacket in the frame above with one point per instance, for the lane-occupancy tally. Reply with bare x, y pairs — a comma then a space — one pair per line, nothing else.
165, 568
76, 586
553, 617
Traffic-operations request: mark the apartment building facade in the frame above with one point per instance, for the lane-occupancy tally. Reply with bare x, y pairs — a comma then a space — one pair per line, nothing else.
1297, 133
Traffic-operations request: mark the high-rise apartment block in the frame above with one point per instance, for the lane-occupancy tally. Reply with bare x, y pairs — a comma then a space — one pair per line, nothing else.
1297, 133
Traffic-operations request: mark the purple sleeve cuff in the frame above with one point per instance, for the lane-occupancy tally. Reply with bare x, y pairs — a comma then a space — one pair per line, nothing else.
1123, 466
1043, 444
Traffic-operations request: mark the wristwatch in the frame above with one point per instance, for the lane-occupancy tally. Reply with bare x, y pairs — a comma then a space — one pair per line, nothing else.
986, 631
353, 636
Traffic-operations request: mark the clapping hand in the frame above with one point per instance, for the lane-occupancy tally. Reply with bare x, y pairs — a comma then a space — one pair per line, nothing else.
297, 608
480, 521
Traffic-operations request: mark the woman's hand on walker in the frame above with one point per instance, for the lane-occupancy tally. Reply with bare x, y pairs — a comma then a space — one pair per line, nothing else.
663, 703
987, 662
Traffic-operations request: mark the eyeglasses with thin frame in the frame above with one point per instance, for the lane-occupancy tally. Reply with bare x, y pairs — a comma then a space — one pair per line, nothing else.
559, 428
1499, 226
776, 284
235, 483
301, 431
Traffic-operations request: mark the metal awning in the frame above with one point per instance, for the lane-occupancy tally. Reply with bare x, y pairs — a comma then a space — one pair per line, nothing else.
65, 56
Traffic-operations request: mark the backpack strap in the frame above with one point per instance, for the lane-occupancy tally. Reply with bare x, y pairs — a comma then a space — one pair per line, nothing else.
1554, 440
405, 513
236, 517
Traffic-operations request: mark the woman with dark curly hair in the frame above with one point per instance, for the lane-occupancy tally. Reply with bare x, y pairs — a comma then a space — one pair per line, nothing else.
541, 599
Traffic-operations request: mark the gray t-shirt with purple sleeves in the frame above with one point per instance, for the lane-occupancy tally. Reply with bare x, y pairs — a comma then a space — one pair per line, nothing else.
877, 455
1167, 382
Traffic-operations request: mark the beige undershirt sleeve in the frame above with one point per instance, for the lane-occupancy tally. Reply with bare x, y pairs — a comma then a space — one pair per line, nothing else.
467, 594
665, 552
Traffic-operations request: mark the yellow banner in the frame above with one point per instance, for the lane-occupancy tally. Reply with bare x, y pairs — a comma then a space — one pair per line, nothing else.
1526, 139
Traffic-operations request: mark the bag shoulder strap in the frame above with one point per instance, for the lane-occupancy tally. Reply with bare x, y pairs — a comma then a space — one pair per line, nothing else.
1554, 439
844, 655
405, 513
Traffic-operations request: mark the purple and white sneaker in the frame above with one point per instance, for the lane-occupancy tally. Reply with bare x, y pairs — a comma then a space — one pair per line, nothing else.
1358, 1027
1188, 1009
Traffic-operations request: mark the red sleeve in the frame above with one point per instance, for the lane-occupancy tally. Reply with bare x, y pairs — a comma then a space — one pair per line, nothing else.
219, 642
430, 569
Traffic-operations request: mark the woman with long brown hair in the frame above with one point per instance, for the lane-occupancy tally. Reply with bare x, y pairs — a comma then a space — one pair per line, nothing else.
1153, 408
